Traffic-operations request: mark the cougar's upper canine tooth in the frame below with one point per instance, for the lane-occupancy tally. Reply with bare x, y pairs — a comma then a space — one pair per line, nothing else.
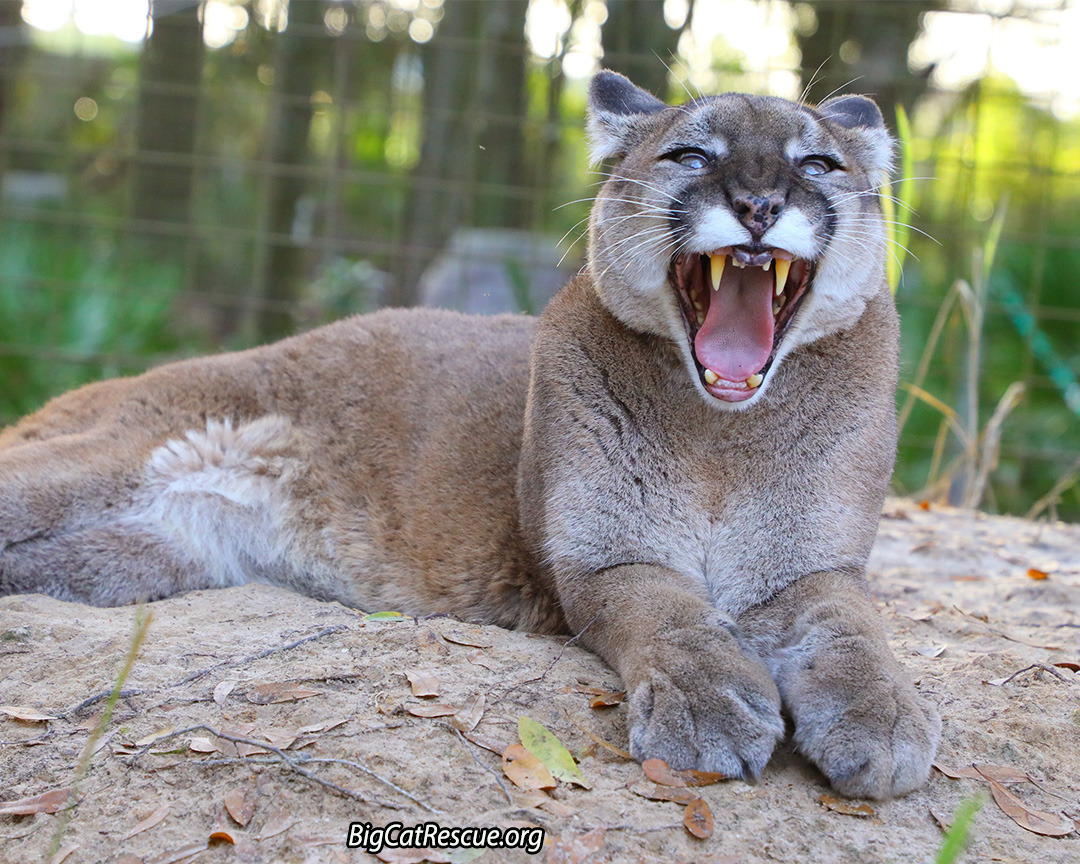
754, 380
711, 377
782, 268
716, 269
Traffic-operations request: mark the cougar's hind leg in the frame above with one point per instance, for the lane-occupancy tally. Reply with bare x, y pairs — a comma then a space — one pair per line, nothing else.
101, 566
212, 507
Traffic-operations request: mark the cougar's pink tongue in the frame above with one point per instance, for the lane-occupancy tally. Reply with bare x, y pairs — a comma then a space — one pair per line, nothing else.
737, 337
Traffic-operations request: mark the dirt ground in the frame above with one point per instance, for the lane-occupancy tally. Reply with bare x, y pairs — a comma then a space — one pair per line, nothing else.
966, 612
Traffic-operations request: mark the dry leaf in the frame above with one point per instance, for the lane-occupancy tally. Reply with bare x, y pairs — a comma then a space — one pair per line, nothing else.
924, 505
1001, 773
249, 749
153, 736
149, 822
414, 856
479, 658
658, 771
28, 715
839, 805
223, 835
575, 848
270, 693
555, 808
467, 718
932, 650
423, 683
222, 690
525, 770
283, 739
1071, 665
46, 802
202, 745
984, 771
1036, 821
433, 709
486, 741
678, 794
698, 819
1036, 574
625, 754
944, 821
177, 855
278, 822
238, 806
472, 641
528, 798
601, 698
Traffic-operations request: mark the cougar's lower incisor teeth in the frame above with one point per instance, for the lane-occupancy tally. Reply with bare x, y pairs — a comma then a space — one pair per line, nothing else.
716, 270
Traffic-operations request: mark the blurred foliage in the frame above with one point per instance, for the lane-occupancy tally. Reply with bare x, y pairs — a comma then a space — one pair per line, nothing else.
89, 314
87, 292
990, 145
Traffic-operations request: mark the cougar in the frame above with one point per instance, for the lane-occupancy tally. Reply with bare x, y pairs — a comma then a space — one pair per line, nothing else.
683, 459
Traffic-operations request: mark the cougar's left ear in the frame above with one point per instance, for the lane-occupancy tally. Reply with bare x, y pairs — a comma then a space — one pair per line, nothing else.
616, 110
866, 129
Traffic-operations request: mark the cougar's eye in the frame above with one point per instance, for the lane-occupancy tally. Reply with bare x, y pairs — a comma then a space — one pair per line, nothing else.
689, 157
814, 166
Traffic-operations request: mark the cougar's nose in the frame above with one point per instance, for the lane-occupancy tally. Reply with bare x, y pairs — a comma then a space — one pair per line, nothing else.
758, 213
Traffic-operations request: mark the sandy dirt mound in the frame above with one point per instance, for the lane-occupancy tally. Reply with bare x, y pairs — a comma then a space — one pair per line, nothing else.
979, 632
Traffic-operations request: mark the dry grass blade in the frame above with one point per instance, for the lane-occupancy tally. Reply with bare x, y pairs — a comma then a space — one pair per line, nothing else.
991, 439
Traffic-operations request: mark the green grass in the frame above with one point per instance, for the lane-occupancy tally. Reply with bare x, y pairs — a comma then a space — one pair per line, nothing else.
956, 838
73, 309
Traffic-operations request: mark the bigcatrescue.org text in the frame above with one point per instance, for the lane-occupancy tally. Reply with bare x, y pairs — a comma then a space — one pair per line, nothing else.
431, 835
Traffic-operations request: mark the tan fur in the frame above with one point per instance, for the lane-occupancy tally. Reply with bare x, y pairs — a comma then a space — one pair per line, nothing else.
429, 462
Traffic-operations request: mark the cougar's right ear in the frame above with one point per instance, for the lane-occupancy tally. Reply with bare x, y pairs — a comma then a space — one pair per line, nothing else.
616, 108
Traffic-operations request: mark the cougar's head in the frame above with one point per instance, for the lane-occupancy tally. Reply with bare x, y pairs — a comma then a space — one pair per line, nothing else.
740, 227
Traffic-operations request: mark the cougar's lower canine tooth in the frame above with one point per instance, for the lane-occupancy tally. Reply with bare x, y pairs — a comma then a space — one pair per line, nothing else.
754, 380
782, 268
711, 377
716, 269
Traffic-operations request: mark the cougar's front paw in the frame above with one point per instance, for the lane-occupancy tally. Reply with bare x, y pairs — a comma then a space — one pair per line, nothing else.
872, 734
700, 703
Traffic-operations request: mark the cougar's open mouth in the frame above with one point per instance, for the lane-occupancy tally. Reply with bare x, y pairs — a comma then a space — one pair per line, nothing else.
737, 303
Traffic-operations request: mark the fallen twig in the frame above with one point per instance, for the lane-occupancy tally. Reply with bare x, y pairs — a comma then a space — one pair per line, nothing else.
1042, 666
550, 665
476, 759
295, 764
187, 679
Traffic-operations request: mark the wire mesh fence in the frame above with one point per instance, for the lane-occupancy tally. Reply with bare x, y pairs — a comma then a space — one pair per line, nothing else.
209, 175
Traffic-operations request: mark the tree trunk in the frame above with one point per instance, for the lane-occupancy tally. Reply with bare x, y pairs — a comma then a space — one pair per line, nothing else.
472, 156
638, 43
14, 44
170, 78
303, 59
861, 47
